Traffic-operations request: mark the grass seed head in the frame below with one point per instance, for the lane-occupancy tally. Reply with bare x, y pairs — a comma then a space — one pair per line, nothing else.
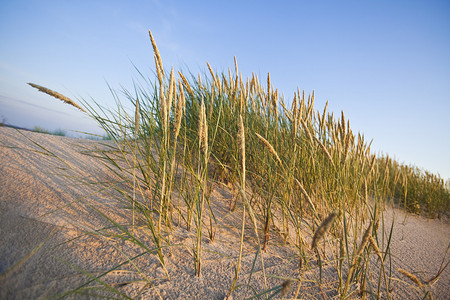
203, 128
179, 111
285, 287
158, 70
321, 145
323, 228
365, 239
269, 147
56, 95
412, 277
211, 71
186, 84
172, 91
156, 51
375, 247
305, 127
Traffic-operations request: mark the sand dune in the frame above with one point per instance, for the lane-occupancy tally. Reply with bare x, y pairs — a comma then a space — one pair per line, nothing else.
51, 199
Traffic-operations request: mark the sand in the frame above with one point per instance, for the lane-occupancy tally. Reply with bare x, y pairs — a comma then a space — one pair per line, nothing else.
51, 199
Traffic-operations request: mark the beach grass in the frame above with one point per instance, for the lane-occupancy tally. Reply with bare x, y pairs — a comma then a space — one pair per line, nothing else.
296, 172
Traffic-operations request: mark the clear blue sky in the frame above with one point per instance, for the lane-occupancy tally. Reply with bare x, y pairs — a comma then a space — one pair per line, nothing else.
385, 63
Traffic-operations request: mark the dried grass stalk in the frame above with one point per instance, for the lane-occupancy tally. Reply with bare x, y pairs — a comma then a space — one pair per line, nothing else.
323, 228
155, 49
365, 239
203, 128
212, 73
163, 106
305, 127
412, 277
172, 91
56, 95
375, 247
180, 108
241, 135
302, 189
186, 84
158, 70
269, 147
321, 145
322, 124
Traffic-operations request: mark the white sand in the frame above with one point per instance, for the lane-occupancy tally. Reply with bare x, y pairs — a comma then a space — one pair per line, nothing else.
39, 193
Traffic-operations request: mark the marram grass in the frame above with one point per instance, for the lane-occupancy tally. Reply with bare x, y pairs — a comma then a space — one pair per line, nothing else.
189, 133
57, 95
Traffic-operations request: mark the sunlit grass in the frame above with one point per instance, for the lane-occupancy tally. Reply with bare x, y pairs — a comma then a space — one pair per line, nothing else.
298, 169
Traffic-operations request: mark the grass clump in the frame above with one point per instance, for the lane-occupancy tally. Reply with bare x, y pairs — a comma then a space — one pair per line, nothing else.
288, 167
58, 132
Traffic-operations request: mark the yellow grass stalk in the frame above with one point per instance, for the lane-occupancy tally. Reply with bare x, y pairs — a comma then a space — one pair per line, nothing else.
321, 145
179, 111
212, 72
323, 228
275, 103
156, 51
269, 147
158, 70
200, 124
286, 111
294, 125
241, 135
186, 84
225, 82
342, 126
308, 199
236, 82
235, 65
163, 106
362, 245
253, 83
301, 99
294, 105
365, 239
305, 127
203, 128
56, 95
241, 138
310, 106
322, 124
247, 88
241, 102
171, 91
412, 277
346, 146
375, 247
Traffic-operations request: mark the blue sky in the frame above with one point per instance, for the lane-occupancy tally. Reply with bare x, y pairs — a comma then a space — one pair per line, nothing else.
386, 64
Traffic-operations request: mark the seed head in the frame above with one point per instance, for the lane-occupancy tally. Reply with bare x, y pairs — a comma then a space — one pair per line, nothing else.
323, 228
269, 147
56, 95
